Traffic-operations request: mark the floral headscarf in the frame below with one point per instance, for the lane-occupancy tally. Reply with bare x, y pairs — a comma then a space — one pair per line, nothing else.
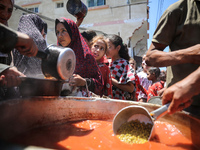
77, 41
86, 65
32, 25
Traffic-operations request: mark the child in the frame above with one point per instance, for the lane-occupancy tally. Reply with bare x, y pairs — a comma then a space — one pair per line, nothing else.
144, 83
99, 48
153, 75
122, 77
133, 96
88, 36
132, 62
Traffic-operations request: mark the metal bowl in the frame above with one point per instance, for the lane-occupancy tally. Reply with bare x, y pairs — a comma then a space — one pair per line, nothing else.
40, 87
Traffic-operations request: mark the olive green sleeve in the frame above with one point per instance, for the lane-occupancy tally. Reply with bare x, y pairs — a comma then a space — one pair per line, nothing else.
8, 39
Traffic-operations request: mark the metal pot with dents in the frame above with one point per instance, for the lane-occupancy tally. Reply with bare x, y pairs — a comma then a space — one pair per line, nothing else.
76, 8
57, 62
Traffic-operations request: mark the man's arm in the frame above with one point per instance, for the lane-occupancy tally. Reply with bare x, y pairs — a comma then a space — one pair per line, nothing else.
180, 93
79, 21
10, 39
157, 57
25, 45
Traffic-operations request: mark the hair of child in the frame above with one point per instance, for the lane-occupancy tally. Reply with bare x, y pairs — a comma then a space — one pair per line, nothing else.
102, 38
154, 70
117, 40
132, 59
89, 34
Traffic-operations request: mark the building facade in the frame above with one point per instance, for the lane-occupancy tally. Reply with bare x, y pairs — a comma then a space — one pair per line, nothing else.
127, 18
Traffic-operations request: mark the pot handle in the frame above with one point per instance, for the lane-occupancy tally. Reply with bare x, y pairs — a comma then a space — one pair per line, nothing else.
41, 54
159, 112
22, 78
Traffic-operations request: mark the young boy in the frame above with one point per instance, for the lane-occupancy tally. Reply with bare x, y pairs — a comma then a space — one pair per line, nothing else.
153, 75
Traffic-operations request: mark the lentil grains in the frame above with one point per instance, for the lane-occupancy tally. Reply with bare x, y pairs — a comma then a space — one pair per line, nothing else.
134, 132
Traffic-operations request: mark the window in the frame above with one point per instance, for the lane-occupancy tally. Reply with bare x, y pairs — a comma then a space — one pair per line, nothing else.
33, 9
59, 5
92, 3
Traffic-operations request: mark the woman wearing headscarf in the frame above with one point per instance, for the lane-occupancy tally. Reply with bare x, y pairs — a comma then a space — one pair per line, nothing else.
8, 72
33, 26
5, 14
87, 72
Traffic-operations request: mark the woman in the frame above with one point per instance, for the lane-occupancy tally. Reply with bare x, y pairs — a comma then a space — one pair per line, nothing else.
8, 73
121, 71
6, 9
87, 72
33, 26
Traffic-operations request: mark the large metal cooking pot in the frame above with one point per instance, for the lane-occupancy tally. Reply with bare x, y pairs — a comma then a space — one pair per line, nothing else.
18, 116
58, 62
76, 8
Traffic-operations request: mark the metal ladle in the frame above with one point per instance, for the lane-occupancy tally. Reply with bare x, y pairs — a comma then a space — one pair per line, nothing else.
135, 112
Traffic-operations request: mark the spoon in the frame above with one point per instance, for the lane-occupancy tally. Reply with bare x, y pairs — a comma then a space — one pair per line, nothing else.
135, 112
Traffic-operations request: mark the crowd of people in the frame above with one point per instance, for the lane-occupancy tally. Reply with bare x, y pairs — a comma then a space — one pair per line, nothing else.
103, 65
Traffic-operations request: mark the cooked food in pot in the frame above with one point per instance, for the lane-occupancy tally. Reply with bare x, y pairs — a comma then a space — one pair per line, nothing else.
134, 132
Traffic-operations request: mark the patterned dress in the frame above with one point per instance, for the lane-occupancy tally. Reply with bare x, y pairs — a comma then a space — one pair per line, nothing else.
153, 89
145, 83
105, 71
121, 71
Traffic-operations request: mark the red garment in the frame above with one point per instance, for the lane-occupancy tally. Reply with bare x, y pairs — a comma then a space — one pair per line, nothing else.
138, 89
86, 65
153, 89
121, 71
137, 82
104, 60
105, 71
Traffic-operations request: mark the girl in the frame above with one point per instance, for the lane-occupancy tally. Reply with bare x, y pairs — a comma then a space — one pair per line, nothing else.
99, 48
122, 76
144, 83
87, 72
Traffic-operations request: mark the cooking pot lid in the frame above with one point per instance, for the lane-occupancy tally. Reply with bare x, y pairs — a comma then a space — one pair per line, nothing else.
66, 63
